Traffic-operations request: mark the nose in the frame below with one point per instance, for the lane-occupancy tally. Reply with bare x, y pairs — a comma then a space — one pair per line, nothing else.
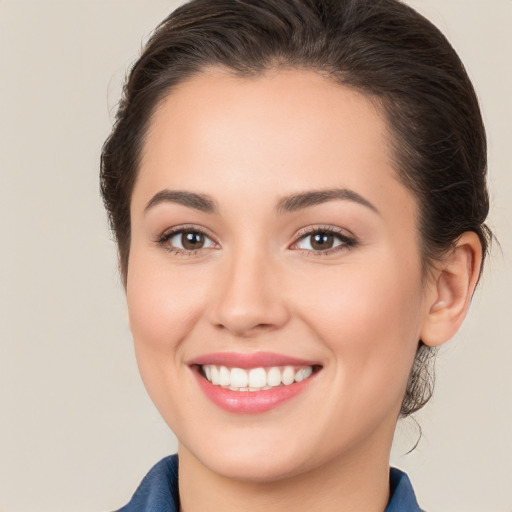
249, 297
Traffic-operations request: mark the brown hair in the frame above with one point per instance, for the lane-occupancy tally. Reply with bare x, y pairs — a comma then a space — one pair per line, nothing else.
381, 48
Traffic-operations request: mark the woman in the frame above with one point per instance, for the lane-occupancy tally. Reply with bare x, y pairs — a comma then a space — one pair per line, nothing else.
297, 189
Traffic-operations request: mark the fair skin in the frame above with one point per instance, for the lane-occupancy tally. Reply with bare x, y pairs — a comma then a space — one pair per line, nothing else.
258, 282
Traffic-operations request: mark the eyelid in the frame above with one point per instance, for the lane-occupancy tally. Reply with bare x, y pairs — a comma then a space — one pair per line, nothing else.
166, 235
316, 228
348, 239
187, 227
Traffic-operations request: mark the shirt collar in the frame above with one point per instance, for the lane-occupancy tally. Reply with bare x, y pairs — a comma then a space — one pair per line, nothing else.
158, 491
402, 498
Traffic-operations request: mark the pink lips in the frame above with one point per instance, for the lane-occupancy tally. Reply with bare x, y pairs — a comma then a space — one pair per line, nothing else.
250, 360
250, 401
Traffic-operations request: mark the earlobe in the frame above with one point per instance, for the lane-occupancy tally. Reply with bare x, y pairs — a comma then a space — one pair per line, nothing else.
451, 290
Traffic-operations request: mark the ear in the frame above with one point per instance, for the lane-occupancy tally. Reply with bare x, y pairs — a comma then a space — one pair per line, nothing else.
451, 289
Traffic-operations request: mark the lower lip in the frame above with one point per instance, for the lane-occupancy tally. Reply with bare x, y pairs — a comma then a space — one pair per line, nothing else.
251, 401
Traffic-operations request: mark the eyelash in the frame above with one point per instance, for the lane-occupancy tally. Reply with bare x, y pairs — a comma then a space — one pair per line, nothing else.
347, 242
168, 235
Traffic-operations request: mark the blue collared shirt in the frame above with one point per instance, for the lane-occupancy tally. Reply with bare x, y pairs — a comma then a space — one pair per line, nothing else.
158, 491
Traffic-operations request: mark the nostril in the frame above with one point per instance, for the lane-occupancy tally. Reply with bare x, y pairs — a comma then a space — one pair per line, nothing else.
245, 330
246, 300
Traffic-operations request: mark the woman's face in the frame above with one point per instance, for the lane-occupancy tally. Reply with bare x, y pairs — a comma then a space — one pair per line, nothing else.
270, 233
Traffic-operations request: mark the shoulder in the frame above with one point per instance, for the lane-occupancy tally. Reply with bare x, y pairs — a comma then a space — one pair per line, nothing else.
158, 491
402, 497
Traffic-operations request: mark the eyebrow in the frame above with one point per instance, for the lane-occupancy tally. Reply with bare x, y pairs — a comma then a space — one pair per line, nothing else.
306, 199
200, 202
206, 204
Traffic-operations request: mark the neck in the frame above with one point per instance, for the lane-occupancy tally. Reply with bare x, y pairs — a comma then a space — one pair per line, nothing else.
354, 482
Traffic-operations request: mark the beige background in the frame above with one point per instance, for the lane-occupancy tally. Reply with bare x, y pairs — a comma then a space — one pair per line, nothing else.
77, 431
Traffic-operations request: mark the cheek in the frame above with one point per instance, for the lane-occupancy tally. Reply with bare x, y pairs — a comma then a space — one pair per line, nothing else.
369, 316
162, 307
380, 294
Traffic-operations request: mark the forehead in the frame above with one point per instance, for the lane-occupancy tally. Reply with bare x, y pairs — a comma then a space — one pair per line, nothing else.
280, 133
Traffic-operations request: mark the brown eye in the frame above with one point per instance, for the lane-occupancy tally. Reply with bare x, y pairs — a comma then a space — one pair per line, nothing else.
191, 240
322, 241
188, 240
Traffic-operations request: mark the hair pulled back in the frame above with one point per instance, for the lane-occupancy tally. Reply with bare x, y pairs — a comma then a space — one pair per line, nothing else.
381, 48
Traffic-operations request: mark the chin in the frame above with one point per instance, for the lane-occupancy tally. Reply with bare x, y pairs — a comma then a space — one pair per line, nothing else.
253, 462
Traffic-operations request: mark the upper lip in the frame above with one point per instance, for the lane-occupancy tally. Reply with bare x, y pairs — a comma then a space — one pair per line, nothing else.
249, 360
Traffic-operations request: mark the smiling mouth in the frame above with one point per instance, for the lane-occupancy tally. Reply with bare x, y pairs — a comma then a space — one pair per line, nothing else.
255, 379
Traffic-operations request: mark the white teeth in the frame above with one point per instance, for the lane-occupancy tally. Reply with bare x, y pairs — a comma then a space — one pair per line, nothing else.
288, 375
303, 373
239, 378
255, 379
274, 377
224, 376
